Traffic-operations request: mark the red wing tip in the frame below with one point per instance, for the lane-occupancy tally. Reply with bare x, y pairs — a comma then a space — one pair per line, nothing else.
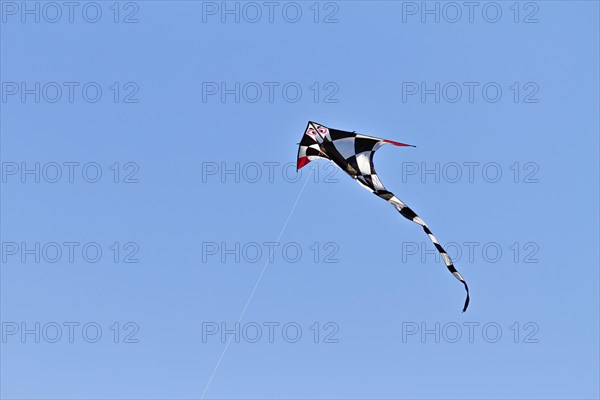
398, 143
302, 161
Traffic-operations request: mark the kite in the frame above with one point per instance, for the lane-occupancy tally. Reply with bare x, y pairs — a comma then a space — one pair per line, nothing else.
353, 153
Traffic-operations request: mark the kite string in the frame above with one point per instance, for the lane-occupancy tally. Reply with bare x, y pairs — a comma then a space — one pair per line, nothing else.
212, 375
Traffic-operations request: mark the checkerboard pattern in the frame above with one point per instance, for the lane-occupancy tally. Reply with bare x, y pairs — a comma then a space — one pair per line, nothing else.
353, 153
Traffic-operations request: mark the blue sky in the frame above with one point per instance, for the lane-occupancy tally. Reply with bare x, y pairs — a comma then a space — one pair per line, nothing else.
147, 172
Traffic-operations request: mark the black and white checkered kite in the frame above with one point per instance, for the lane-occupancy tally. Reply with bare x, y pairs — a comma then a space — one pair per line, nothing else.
353, 153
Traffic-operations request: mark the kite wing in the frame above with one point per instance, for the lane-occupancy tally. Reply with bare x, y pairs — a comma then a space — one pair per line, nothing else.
353, 153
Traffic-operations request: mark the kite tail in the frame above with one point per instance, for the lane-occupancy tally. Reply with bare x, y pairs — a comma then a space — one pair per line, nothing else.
411, 215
